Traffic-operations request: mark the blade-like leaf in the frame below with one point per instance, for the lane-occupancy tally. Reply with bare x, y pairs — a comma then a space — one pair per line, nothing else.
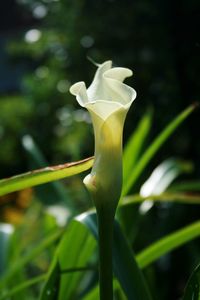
74, 252
168, 243
24, 285
34, 252
186, 186
51, 287
125, 266
52, 192
154, 147
192, 291
43, 175
94, 293
135, 143
164, 197
163, 176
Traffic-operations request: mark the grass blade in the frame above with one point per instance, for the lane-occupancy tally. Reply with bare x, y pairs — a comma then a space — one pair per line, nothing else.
186, 186
23, 286
94, 293
154, 147
34, 252
43, 175
163, 175
73, 254
135, 143
125, 266
52, 192
164, 197
168, 243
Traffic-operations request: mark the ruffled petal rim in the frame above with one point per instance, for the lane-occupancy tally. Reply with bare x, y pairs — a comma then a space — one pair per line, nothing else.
107, 91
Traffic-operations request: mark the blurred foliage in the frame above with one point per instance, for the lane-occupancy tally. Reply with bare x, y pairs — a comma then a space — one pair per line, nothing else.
15, 112
73, 271
55, 38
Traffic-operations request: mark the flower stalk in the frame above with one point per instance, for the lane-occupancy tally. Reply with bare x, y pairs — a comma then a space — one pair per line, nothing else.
105, 234
107, 100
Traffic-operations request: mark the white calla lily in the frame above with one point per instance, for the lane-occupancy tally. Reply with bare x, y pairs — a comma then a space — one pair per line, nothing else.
108, 100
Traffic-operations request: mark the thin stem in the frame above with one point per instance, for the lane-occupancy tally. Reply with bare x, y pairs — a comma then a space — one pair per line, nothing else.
105, 230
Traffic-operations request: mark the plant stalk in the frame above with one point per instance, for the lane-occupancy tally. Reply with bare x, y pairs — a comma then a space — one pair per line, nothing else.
105, 230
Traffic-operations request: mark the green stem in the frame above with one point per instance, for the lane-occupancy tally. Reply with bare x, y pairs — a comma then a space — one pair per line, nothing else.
105, 230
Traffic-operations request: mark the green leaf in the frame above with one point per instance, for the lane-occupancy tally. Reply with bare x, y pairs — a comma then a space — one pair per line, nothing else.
24, 285
51, 287
34, 252
151, 190
94, 293
163, 175
72, 257
168, 243
43, 175
135, 143
154, 147
48, 193
192, 291
164, 197
124, 264
186, 186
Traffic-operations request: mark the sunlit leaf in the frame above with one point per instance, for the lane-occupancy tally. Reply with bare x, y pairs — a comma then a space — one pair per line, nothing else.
160, 180
124, 264
50, 192
24, 285
163, 176
135, 143
168, 243
164, 197
73, 254
94, 293
24, 260
154, 147
43, 175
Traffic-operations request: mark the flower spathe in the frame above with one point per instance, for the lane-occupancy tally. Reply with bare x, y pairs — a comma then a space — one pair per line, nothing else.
108, 100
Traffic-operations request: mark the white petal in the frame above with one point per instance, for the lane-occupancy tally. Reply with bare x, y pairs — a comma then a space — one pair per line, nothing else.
107, 92
96, 89
103, 108
119, 92
79, 90
118, 73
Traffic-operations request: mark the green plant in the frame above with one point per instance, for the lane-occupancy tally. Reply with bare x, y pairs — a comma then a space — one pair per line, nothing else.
65, 258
